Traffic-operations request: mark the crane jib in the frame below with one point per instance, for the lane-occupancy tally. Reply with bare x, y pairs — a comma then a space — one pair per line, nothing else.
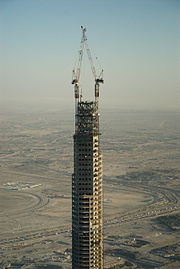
77, 71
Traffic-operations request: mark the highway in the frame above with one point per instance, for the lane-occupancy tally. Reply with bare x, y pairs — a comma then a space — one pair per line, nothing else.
164, 201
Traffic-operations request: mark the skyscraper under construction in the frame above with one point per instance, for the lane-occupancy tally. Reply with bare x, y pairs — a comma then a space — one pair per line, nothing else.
87, 195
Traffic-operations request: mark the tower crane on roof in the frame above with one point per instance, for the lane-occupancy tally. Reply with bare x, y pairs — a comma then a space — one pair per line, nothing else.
77, 72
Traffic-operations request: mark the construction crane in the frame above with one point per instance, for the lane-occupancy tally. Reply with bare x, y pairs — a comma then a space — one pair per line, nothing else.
76, 72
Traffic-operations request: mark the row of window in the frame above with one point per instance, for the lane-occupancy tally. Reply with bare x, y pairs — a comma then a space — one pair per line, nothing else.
85, 159
84, 154
95, 160
84, 179
84, 163
87, 181
96, 186
84, 189
85, 149
85, 169
85, 174
96, 181
84, 183
84, 145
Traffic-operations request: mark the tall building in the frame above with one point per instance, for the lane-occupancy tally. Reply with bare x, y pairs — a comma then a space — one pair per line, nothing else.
87, 195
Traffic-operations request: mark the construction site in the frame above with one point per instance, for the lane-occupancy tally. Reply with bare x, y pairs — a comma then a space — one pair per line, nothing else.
87, 194
131, 221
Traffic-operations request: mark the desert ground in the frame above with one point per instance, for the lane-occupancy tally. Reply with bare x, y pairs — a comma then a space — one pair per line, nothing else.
141, 179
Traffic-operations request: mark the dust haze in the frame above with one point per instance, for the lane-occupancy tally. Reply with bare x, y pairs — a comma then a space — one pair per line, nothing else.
141, 156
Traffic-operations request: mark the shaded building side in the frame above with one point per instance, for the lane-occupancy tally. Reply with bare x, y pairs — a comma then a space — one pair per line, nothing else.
87, 241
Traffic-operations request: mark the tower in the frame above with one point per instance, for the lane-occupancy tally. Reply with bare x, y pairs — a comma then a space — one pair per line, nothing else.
87, 195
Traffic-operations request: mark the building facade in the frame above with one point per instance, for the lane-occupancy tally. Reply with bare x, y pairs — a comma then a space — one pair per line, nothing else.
87, 193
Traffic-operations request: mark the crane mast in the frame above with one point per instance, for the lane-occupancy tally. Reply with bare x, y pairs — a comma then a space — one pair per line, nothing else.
76, 72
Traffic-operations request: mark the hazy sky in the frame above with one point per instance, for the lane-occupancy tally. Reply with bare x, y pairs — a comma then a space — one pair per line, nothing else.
136, 41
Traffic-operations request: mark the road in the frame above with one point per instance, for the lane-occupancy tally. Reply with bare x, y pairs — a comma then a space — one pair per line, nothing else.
164, 201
